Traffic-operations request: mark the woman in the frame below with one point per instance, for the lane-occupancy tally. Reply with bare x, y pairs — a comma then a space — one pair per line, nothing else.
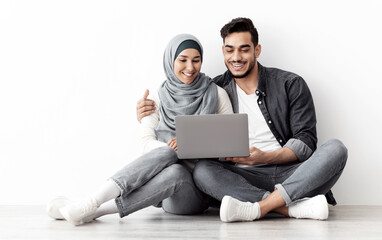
157, 177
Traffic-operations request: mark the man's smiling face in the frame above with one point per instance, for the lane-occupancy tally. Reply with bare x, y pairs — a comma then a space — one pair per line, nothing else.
240, 54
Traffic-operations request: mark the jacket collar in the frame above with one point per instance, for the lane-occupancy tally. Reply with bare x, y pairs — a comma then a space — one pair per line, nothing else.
262, 80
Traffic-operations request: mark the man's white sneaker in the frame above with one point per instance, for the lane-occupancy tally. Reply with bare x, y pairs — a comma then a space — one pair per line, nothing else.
81, 212
313, 208
233, 210
52, 209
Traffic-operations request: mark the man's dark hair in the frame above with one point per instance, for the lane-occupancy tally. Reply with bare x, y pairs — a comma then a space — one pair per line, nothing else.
240, 25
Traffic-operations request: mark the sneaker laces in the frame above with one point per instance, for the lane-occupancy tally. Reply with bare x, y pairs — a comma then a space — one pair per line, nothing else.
306, 211
246, 211
88, 206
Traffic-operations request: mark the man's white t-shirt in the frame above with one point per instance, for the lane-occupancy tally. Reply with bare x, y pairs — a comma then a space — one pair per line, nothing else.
260, 136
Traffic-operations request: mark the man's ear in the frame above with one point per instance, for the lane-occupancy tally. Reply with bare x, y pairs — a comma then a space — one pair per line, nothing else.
223, 48
257, 50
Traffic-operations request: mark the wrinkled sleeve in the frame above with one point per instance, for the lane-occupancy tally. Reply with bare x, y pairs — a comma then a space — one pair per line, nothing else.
302, 119
147, 137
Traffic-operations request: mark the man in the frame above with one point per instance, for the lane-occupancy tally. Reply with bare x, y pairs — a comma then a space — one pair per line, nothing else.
284, 173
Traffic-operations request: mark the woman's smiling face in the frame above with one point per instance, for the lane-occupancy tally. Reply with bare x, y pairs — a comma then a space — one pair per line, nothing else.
187, 65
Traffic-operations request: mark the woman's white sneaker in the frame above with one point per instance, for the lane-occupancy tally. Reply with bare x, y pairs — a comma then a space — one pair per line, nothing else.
313, 208
53, 207
233, 210
80, 212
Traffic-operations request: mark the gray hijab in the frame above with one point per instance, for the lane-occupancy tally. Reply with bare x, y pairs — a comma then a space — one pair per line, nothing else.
177, 98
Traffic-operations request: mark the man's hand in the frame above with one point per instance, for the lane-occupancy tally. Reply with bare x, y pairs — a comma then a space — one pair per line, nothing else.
172, 143
256, 156
145, 106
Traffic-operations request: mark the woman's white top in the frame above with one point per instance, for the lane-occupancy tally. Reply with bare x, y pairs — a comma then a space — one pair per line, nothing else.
148, 140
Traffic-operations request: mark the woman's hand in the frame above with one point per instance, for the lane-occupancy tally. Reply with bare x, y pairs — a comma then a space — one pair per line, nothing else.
145, 106
172, 143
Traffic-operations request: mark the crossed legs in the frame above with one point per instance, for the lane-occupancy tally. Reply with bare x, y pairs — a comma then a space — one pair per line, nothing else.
288, 183
152, 179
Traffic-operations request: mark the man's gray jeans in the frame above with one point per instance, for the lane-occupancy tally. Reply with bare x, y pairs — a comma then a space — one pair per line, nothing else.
315, 176
155, 178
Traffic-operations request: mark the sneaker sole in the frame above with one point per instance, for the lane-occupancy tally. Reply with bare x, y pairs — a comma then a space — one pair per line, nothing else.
223, 208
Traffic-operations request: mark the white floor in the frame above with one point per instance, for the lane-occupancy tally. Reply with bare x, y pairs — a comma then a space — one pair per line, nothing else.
345, 222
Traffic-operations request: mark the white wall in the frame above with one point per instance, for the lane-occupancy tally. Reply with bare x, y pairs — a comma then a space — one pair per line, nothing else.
72, 71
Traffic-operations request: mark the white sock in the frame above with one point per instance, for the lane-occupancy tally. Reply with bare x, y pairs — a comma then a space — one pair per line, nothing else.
109, 207
109, 190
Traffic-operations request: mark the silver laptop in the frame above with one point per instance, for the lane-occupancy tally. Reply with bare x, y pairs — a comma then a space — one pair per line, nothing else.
212, 136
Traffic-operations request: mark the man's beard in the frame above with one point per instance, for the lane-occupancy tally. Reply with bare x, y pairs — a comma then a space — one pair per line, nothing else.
251, 67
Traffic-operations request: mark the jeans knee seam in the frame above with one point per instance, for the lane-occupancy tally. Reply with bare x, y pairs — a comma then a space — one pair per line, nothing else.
136, 203
154, 193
